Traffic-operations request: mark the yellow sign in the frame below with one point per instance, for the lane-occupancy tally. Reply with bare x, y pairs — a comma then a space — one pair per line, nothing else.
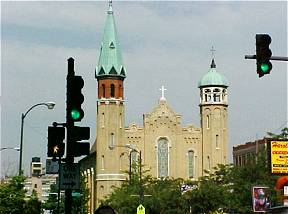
279, 157
140, 209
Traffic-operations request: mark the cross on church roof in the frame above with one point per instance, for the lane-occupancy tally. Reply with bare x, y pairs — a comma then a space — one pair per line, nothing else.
212, 51
162, 89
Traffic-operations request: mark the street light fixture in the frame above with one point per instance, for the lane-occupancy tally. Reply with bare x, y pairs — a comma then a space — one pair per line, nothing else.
50, 105
15, 148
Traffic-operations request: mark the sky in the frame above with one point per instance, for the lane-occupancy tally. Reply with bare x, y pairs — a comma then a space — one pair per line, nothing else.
163, 43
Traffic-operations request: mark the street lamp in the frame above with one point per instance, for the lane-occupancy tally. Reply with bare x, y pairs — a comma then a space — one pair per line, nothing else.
15, 148
50, 105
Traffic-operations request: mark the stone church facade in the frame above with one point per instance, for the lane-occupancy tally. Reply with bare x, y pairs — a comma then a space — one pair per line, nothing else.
167, 148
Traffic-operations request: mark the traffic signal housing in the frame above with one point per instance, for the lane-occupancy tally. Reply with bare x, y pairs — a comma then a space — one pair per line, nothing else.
56, 146
263, 54
75, 98
78, 134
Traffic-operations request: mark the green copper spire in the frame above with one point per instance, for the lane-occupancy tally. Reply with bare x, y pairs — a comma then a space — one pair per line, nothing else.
110, 60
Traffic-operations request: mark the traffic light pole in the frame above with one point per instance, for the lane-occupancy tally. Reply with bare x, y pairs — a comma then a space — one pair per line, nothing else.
278, 58
69, 143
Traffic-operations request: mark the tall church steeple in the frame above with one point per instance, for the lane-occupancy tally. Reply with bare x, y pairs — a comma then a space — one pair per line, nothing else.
110, 74
110, 60
214, 113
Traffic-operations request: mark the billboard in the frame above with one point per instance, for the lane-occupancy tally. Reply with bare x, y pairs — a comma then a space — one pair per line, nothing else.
279, 156
260, 199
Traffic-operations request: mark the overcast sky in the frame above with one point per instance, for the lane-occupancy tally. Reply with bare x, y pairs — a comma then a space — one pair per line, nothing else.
163, 43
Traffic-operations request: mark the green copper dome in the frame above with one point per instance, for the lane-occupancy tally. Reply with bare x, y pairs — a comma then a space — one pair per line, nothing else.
213, 78
110, 60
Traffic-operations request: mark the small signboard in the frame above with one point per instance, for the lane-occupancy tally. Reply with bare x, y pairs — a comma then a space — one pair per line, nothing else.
140, 209
69, 176
52, 167
279, 156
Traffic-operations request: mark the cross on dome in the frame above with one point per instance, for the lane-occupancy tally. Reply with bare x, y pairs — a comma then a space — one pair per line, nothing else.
212, 51
163, 89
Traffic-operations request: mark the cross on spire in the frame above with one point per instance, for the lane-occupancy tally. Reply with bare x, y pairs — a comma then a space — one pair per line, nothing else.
110, 10
212, 51
162, 89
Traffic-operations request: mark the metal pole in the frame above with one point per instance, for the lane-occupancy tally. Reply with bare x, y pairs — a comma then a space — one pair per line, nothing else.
58, 204
278, 58
69, 126
130, 167
141, 184
21, 145
50, 105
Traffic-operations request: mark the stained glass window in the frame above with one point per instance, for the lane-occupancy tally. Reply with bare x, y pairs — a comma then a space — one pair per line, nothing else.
191, 164
162, 158
133, 160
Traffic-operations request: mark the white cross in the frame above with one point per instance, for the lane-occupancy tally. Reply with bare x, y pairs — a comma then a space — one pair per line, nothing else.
162, 89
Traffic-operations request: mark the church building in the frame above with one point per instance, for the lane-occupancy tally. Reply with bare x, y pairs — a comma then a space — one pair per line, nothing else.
165, 147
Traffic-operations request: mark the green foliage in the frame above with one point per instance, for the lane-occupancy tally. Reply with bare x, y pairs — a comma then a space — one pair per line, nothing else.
282, 135
225, 189
12, 196
33, 205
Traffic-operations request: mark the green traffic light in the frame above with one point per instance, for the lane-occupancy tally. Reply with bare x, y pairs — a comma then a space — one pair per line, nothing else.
75, 114
264, 67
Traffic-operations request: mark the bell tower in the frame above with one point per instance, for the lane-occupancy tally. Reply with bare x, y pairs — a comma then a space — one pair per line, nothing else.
110, 74
214, 114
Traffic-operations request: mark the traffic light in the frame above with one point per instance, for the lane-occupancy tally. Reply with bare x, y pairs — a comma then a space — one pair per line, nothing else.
263, 54
74, 98
56, 136
78, 134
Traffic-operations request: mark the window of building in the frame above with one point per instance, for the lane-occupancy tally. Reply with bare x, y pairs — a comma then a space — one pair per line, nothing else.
103, 120
112, 90
217, 141
103, 90
208, 121
216, 95
191, 163
112, 140
207, 95
208, 163
133, 160
102, 162
120, 121
162, 157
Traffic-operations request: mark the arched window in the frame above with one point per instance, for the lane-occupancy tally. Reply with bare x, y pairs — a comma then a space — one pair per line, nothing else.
103, 90
208, 121
162, 157
112, 90
103, 120
216, 95
191, 164
217, 141
102, 162
133, 160
208, 163
112, 141
207, 95
120, 121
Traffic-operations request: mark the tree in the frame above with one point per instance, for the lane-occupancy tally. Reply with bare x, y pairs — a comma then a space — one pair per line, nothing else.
12, 195
282, 135
213, 192
33, 205
228, 188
